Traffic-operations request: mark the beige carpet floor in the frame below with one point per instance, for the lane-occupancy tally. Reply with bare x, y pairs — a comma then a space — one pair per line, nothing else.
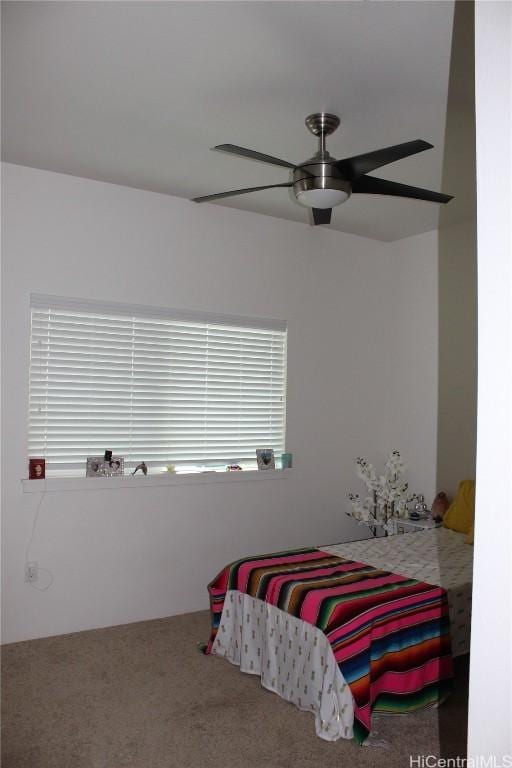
143, 696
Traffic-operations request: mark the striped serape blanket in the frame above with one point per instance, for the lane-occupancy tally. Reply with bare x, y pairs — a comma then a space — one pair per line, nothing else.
390, 634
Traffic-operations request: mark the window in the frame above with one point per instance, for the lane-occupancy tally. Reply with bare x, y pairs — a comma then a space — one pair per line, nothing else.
152, 385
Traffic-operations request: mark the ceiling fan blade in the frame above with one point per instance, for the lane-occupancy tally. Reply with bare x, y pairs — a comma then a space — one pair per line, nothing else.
372, 186
233, 192
322, 215
354, 167
232, 149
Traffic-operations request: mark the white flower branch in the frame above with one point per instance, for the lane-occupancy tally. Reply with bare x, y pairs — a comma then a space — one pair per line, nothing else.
388, 493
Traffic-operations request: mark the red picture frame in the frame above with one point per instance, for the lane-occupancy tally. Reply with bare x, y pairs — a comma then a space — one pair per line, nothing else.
36, 469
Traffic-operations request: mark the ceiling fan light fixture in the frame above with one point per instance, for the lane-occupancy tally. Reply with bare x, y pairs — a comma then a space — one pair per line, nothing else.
322, 198
318, 184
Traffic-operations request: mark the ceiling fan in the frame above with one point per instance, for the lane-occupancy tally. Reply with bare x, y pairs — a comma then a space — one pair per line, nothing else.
322, 182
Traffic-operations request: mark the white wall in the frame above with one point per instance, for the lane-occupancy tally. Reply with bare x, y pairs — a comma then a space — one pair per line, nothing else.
490, 690
456, 423
362, 379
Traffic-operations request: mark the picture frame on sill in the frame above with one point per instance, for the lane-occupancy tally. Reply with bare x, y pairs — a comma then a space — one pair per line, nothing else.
37, 469
265, 458
95, 466
98, 467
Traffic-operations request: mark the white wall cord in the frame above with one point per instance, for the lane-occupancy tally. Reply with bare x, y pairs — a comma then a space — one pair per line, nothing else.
29, 545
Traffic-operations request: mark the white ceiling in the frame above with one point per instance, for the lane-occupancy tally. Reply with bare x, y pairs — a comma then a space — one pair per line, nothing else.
136, 93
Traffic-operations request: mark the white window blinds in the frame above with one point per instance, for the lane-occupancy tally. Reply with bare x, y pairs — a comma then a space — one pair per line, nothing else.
152, 386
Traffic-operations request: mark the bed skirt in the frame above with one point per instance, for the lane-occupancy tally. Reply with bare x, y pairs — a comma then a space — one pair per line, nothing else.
293, 659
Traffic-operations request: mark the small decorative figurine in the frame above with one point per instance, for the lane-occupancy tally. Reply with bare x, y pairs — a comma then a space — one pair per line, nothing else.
143, 466
420, 507
439, 506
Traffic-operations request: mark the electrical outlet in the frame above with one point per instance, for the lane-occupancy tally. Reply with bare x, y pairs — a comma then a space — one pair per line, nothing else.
31, 572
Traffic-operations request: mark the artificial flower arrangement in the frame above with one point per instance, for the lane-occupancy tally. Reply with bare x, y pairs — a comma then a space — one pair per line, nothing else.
387, 497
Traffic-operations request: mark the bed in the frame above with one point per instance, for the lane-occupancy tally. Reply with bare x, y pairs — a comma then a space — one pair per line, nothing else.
290, 617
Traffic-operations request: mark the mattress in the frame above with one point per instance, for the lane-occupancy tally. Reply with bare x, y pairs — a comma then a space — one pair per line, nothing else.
294, 658
438, 556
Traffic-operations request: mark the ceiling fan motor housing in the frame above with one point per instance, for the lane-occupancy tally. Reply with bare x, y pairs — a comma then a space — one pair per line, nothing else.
320, 174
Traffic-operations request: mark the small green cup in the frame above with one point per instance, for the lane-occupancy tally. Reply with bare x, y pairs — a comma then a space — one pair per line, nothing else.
286, 460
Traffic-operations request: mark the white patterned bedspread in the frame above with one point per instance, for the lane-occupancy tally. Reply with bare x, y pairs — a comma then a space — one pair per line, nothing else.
295, 660
438, 556
292, 658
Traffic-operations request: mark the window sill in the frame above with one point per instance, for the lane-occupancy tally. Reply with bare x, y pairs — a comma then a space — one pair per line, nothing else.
139, 481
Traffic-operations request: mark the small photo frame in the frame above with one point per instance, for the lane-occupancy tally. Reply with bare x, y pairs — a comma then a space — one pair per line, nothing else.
265, 458
114, 467
98, 467
36, 469
95, 466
